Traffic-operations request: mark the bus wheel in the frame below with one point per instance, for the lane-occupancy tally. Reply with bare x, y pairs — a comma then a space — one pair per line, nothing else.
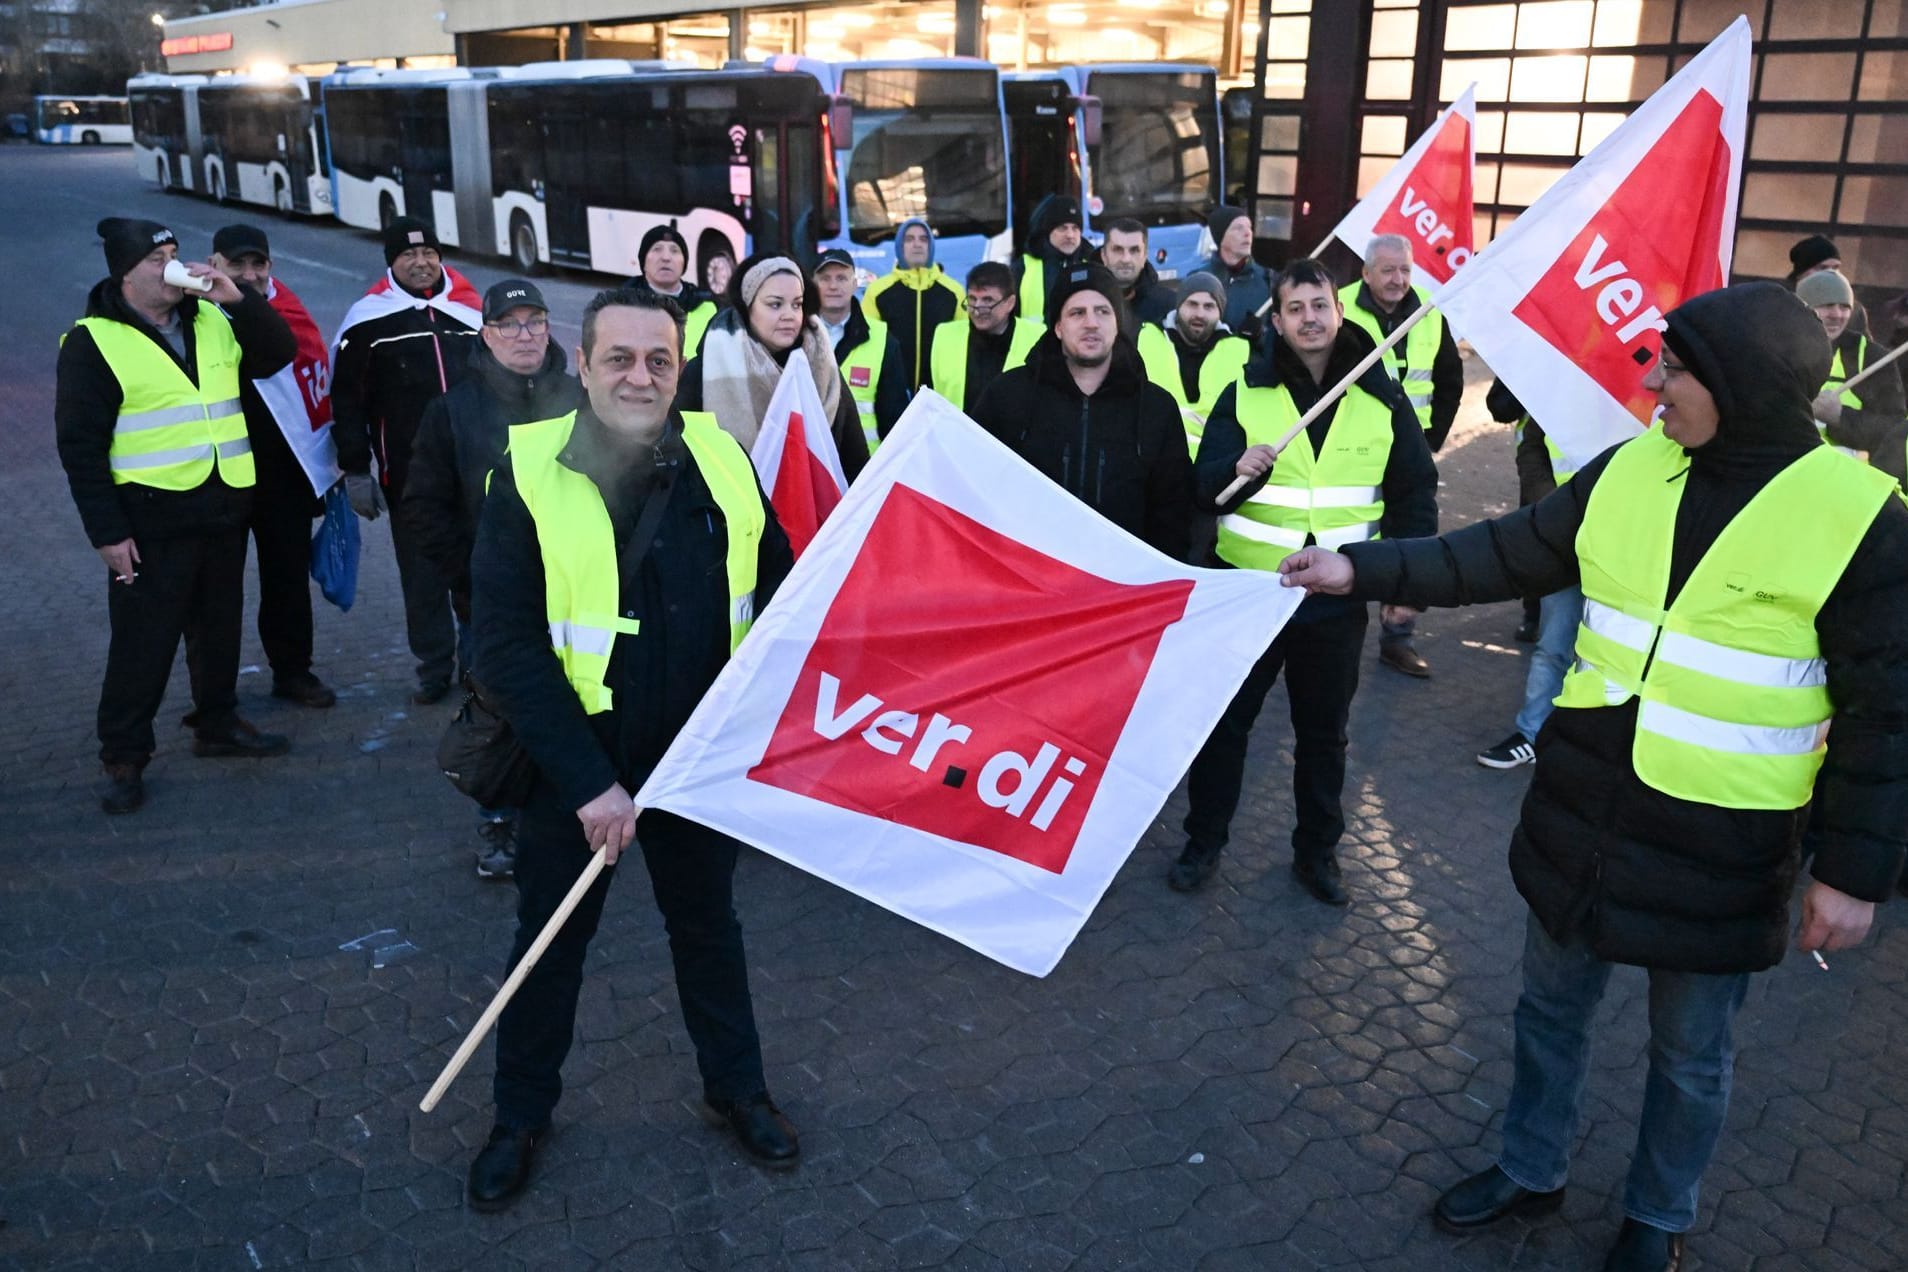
523, 245
282, 197
89, 138
712, 246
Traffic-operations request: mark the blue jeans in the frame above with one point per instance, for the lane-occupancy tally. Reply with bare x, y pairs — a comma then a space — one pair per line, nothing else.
1692, 1059
1550, 660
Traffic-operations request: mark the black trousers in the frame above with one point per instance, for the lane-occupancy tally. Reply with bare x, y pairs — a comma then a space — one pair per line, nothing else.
1320, 661
281, 527
692, 869
191, 587
427, 606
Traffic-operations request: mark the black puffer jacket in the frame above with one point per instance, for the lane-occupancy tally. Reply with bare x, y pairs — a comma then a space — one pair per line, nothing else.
1410, 486
1651, 879
460, 440
1151, 300
1122, 451
86, 405
1878, 426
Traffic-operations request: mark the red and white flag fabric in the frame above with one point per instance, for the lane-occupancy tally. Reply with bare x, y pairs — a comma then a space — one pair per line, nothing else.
457, 300
971, 697
1426, 197
795, 455
1567, 304
299, 395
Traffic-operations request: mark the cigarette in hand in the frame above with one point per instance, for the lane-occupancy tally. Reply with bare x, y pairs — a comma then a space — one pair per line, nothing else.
1819, 960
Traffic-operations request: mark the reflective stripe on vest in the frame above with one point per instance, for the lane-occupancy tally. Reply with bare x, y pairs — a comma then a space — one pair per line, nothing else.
1733, 693
1033, 291
582, 578
1222, 366
1420, 345
171, 433
947, 367
1335, 498
861, 373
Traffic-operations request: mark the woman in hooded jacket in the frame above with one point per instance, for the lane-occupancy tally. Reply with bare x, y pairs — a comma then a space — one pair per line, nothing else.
772, 309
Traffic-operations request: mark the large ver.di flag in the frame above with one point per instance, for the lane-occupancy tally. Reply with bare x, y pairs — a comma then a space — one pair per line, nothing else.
1426, 197
1567, 304
971, 697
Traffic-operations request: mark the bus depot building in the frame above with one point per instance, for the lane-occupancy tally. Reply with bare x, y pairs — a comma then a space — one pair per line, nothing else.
1320, 96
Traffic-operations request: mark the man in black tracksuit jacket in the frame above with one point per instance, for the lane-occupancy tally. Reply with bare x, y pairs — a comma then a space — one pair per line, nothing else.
182, 551
1119, 448
1616, 870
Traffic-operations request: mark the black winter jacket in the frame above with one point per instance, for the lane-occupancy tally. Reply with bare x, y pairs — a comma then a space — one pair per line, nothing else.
460, 440
1122, 451
677, 590
1411, 477
892, 390
1536, 474
1040, 227
86, 404
1447, 365
1151, 300
387, 371
1247, 288
1648, 878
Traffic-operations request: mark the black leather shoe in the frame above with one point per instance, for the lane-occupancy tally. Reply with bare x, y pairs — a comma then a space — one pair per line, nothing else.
1194, 867
430, 692
1641, 1248
764, 1133
1321, 877
1485, 1198
306, 690
1400, 656
502, 1168
1527, 632
125, 789
238, 738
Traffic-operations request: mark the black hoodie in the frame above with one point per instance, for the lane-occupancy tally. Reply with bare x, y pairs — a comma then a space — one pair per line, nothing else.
86, 404
1051, 212
1649, 878
460, 440
1411, 478
1122, 451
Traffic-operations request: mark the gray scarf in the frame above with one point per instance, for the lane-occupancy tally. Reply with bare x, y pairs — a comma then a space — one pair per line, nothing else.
739, 374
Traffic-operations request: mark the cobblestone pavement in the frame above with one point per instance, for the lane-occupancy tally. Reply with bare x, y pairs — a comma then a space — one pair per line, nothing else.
217, 1016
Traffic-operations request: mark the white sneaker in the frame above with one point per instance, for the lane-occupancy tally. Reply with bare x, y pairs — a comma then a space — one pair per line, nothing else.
1514, 751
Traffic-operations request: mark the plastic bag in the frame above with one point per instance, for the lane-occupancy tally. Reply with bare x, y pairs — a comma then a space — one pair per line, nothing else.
334, 550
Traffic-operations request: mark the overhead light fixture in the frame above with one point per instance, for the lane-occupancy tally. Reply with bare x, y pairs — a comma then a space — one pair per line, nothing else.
1065, 15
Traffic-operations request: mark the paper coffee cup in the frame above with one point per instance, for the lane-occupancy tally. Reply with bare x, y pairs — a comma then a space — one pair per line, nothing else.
179, 276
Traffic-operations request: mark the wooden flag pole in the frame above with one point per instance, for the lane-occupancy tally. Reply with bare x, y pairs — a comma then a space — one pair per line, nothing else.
598, 860
1314, 255
1873, 367
1337, 391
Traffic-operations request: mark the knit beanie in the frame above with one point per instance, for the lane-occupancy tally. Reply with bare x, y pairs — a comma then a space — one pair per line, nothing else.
128, 241
1201, 281
405, 233
1812, 250
1093, 277
665, 233
1222, 218
1825, 287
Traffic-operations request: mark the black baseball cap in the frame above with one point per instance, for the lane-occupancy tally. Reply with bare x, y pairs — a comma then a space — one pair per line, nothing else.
835, 256
510, 294
235, 240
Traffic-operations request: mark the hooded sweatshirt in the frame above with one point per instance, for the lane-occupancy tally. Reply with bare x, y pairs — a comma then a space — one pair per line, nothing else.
1049, 214
913, 302
1645, 877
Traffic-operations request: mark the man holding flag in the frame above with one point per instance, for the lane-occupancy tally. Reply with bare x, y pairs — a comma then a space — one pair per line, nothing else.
288, 420
1742, 586
622, 554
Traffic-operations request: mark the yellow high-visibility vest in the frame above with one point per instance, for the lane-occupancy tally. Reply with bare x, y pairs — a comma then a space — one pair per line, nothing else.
1224, 364
1734, 705
170, 432
582, 581
861, 374
1412, 368
947, 365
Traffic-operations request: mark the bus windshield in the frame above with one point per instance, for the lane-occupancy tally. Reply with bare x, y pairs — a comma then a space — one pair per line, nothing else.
1158, 156
927, 143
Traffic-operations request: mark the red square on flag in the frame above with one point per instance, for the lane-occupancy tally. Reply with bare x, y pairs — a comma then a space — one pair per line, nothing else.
966, 685
858, 377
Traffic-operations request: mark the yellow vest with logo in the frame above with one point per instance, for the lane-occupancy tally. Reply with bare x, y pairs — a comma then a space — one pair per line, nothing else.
1334, 498
864, 363
170, 432
582, 580
1412, 370
1734, 703
947, 365
1033, 289
1560, 472
695, 322
1223, 365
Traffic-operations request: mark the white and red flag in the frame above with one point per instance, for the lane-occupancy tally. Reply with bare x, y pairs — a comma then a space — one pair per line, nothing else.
971, 697
299, 395
457, 300
1426, 197
795, 455
1567, 304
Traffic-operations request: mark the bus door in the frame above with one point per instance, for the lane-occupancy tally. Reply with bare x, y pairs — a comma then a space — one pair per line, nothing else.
566, 182
423, 153
785, 190
1044, 158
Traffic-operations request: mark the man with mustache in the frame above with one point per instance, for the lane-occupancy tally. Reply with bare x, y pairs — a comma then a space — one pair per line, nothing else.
1360, 470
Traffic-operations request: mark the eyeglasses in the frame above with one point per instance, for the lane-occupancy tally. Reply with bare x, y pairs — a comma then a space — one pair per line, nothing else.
511, 329
974, 306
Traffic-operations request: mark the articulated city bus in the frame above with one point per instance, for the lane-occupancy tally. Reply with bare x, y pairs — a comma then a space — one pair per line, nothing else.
912, 139
1140, 140
573, 163
234, 139
81, 121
